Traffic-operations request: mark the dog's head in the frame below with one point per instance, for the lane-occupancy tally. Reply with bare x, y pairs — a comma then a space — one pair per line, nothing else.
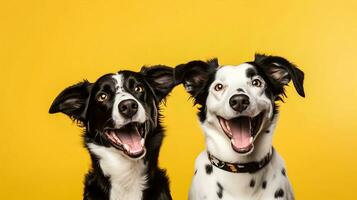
239, 101
118, 110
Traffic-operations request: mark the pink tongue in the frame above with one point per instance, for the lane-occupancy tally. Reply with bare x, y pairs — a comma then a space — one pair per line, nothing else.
132, 139
240, 129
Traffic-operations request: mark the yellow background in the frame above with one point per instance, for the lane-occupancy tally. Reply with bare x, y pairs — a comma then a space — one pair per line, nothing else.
49, 45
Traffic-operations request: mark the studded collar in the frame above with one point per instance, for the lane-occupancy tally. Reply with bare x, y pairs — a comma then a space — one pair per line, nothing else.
249, 167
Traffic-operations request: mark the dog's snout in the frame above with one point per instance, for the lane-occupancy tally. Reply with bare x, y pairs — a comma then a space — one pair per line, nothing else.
128, 108
239, 102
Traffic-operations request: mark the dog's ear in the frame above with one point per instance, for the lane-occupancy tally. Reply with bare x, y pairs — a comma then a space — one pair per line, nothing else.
73, 101
196, 77
280, 72
160, 79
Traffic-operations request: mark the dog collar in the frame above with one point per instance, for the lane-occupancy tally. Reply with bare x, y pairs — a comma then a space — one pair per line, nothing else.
249, 167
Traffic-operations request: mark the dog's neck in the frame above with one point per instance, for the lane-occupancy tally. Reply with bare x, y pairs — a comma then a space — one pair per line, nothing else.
218, 144
127, 177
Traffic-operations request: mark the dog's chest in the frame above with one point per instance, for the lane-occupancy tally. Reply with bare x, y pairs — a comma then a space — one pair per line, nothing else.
127, 177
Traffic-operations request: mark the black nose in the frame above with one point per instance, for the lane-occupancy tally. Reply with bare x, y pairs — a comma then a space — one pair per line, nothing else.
239, 102
128, 108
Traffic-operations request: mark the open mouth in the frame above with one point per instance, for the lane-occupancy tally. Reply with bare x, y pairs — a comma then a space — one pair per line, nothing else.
129, 139
242, 131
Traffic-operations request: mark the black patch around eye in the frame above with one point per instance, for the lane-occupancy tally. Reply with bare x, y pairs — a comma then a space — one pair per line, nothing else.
132, 80
273, 89
250, 72
105, 85
106, 88
130, 83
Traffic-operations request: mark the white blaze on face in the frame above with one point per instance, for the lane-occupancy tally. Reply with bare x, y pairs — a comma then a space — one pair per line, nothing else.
120, 96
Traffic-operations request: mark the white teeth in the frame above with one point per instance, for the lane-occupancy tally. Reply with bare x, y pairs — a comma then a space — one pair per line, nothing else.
126, 147
117, 139
142, 142
229, 128
114, 137
251, 140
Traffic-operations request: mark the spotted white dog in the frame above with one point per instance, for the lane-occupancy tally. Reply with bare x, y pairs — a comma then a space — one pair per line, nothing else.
238, 114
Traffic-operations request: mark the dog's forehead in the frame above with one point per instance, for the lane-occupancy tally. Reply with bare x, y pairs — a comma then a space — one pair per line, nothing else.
235, 72
122, 77
115, 81
104, 82
119, 80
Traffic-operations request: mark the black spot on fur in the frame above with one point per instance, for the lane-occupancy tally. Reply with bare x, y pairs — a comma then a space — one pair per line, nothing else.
195, 171
252, 183
264, 184
279, 193
283, 172
209, 169
250, 72
240, 90
267, 131
220, 190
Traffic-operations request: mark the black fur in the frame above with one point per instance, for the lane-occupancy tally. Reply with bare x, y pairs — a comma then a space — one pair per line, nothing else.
264, 184
279, 193
209, 169
197, 76
267, 66
220, 190
252, 183
79, 103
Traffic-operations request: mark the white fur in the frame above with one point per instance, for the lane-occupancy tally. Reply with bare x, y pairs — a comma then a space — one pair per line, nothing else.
122, 95
127, 176
236, 185
233, 78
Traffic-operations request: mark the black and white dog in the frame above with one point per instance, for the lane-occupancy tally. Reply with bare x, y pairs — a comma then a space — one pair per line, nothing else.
122, 131
238, 114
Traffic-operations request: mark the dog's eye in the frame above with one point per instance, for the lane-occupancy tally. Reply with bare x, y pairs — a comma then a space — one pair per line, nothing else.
102, 97
218, 87
256, 83
139, 89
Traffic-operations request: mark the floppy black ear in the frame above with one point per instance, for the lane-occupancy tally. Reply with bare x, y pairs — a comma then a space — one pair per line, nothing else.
73, 101
196, 77
280, 72
160, 78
